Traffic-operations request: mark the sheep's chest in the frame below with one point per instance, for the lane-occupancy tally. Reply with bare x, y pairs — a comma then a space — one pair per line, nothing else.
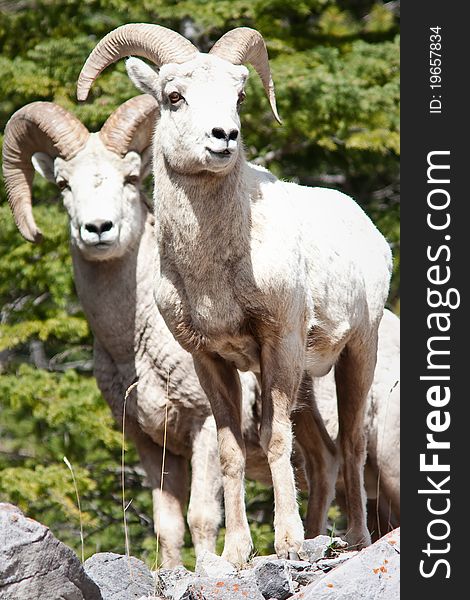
210, 305
242, 350
223, 327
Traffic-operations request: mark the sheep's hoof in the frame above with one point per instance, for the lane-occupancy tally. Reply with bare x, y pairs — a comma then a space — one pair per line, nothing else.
289, 551
358, 539
237, 549
288, 538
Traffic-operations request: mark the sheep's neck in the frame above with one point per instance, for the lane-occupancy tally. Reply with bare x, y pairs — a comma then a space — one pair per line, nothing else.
116, 296
203, 220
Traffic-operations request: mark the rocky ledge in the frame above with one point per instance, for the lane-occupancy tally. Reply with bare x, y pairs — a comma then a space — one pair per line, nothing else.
34, 564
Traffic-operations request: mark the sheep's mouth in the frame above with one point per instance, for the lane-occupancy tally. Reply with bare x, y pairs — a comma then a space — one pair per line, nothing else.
221, 153
102, 245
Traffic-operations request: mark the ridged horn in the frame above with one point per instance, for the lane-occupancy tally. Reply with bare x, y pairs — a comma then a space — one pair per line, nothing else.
158, 44
37, 127
130, 127
245, 45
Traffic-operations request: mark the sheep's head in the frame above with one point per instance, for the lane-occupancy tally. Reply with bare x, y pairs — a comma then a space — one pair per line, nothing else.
99, 174
100, 191
199, 94
199, 99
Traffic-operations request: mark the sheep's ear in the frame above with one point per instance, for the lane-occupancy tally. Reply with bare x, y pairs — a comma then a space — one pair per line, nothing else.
146, 167
142, 75
138, 164
133, 163
44, 165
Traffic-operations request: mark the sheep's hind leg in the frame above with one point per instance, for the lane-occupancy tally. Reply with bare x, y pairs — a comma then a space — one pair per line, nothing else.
205, 504
354, 374
169, 499
320, 458
221, 383
281, 370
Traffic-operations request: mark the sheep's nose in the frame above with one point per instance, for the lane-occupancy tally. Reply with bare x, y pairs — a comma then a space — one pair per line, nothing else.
99, 227
221, 134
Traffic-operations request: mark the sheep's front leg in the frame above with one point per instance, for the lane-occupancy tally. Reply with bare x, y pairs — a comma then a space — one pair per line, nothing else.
354, 373
221, 382
169, 499
205, 504
281, 371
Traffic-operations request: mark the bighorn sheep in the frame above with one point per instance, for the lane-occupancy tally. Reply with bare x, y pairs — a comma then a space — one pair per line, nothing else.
112, 246
382, 428
255, 274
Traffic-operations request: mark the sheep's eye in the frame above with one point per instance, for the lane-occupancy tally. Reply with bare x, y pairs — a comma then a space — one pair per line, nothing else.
174, 97
63, 184
133, 179
241, 97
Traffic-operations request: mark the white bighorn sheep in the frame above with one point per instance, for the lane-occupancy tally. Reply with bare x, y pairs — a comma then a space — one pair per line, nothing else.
112, 247
256, 274
382, 429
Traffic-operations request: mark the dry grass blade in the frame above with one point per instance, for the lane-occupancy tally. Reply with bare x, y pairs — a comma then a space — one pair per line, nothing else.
162, 475
123, 477
67, 462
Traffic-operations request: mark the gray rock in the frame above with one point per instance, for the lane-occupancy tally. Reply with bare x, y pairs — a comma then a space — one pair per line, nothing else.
303, 573
274, 579
393, 538
211, 565
120, 577
375, 571
261, 559
246, 573
34, 564
306, 578
172, 583
326, 564
299, 565
224, 588
320, 547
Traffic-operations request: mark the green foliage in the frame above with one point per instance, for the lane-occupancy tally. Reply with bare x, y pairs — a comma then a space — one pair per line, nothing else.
46, 416
36, 287
335, 64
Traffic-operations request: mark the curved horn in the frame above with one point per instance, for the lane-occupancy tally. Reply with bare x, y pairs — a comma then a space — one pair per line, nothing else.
158, 44
245, 45
130, 127
37, 127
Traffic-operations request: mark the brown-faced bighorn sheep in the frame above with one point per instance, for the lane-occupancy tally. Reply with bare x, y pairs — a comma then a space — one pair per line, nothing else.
382, 428
256, 274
